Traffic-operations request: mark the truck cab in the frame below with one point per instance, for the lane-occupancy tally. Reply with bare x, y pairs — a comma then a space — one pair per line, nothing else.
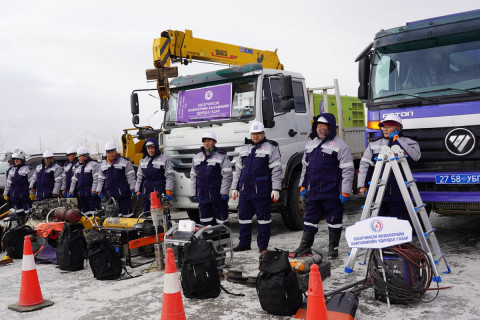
428, 73
226, 102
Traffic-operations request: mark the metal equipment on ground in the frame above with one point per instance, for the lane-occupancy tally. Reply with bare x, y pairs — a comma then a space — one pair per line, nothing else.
219, 236
392, 159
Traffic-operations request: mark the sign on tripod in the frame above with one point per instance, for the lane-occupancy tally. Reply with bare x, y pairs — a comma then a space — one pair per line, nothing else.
378, 232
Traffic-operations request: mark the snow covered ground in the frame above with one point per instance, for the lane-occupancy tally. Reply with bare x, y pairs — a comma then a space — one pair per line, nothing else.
77, 295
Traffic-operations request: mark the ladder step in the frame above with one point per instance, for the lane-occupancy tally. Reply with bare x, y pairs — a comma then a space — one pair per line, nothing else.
410, 183
379, 184
442, 256
420, 206
430, 232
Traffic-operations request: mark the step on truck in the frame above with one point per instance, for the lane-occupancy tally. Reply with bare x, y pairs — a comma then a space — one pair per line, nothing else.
226, 102
428, 73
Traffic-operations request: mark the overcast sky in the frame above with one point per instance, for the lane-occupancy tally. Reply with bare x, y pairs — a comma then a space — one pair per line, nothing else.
70, 66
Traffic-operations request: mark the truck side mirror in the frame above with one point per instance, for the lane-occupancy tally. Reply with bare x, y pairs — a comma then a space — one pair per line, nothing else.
363, 77
286, 87
288, 105
286, 92
134, 106
135, 120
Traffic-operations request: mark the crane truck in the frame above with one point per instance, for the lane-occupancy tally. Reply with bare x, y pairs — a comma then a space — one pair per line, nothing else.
428, 73
225, 102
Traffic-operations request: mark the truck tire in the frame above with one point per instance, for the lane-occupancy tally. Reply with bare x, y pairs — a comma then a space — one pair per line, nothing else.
194, 215
294, 212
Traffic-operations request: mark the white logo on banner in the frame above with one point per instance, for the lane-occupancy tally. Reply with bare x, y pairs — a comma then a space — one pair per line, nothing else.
209, 95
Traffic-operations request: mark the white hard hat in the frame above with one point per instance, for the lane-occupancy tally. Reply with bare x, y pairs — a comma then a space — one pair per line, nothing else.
257, 126
48, 154
149, 143
110, 146
209, 135
322, 120
5, 156
391, 117
71, 150
18, 154
83, 151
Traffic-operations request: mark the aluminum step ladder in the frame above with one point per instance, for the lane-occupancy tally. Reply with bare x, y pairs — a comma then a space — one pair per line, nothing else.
392, 159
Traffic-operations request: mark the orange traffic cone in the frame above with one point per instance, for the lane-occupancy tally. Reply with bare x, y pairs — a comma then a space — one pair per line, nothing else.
30, 293
316, 306
172, 307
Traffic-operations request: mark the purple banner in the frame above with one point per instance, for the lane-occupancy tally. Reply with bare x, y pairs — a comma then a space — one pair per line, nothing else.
205, 103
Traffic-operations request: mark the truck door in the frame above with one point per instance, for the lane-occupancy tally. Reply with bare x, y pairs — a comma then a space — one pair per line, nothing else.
290, 127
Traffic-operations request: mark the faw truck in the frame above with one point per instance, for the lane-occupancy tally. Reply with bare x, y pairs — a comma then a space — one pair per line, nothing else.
428, 73
226, 102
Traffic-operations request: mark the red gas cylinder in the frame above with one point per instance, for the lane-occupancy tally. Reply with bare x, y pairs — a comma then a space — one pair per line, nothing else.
73, 215
60, 213
68, 215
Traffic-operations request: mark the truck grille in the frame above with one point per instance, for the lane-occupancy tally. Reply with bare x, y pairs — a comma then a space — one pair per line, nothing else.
456, 207
435, 158
432, 145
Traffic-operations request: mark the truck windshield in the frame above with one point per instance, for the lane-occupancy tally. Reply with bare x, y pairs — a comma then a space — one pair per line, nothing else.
430, 68
228, 101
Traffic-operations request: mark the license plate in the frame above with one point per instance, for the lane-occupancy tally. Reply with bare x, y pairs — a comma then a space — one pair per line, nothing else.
457, 178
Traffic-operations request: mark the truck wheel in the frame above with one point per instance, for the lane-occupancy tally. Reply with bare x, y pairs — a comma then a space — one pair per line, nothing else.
194, 215
295, 210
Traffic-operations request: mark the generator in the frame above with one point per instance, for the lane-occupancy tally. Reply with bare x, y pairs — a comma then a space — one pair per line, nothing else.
134, 240
401, 275
219, 236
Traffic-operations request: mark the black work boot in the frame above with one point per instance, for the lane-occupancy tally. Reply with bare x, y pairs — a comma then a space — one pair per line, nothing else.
305, 244
333, 241
240, 248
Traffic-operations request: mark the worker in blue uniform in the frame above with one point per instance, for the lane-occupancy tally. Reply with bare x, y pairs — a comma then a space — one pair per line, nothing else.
393, 204
155, 173
211, 178
68, 170
85, 179
327, 178
117, 180
17, 185
257, 182
47, 181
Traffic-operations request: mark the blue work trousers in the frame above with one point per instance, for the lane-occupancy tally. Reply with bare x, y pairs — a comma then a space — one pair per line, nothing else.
246, 210
316, 210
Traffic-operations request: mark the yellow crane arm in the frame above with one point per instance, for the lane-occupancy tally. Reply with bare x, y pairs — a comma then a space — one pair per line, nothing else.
178, 46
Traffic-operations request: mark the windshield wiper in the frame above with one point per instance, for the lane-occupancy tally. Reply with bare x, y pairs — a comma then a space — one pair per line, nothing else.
405, 94
172, 122
469, 90
210, 121
473, 88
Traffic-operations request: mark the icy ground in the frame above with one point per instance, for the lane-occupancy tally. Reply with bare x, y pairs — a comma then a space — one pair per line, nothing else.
78, 295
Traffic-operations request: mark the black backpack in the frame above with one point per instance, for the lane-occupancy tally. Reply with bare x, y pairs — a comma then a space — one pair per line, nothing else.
199, 276
71, 248
1, 238
277, 285
104, 260
13, 240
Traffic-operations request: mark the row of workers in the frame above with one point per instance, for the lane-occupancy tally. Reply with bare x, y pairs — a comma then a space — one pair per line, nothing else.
326, 178
86, 179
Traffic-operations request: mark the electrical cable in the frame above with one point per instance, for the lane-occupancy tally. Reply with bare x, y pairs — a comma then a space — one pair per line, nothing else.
416, 264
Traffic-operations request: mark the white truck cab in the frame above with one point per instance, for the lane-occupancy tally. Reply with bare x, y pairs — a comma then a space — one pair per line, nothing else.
226, 102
